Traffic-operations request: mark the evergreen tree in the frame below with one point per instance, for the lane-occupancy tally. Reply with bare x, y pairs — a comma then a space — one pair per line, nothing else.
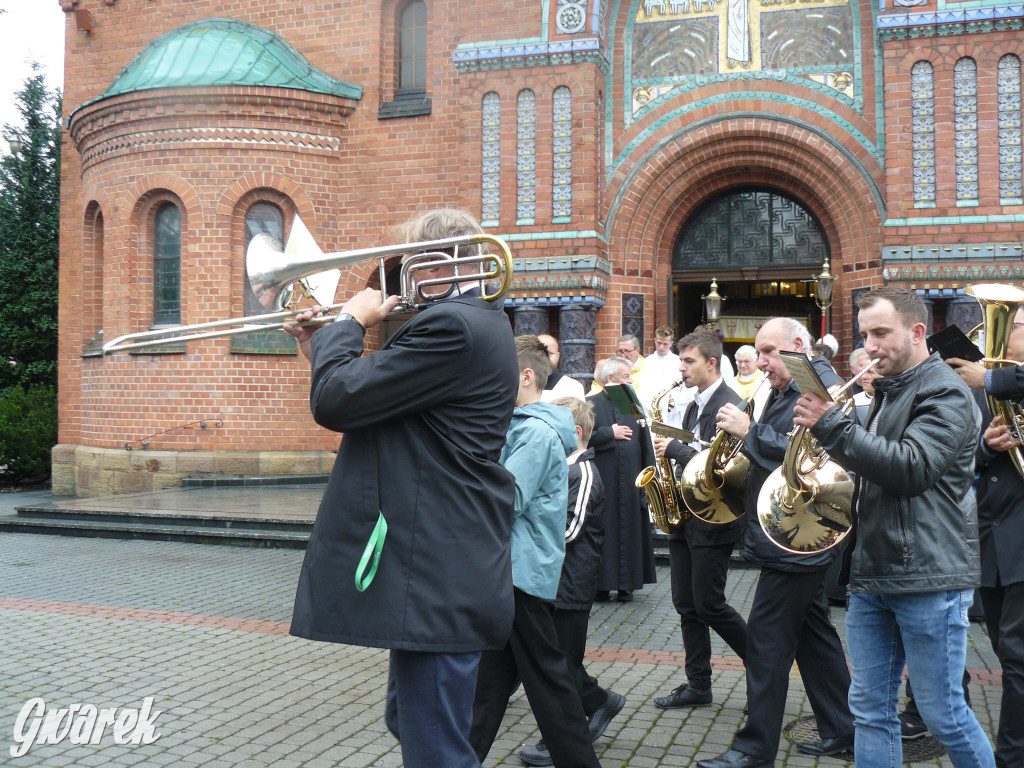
29, 239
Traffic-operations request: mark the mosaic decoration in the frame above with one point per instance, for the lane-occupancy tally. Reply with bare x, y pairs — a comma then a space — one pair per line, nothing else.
753, 228
571, 17
633, 314
922, 96
675, 40
562, 160
526, 151
1008, 87
965, 120
491, 160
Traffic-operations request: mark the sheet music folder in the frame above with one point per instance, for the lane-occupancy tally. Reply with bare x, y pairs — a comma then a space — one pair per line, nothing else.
804, 375
626, 401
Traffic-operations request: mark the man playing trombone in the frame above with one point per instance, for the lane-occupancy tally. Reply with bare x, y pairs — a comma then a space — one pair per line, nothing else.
789, 616
915, 559
410, 549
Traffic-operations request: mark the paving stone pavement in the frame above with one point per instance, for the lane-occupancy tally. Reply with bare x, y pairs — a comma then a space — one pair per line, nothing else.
203, 630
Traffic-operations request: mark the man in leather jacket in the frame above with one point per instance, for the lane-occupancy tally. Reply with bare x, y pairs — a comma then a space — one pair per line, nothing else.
788, 618
915, 561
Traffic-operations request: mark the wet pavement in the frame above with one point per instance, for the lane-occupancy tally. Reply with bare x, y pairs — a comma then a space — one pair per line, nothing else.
203, 631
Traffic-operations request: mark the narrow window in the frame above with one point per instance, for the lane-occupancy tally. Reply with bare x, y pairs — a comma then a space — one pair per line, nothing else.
562, 147
526, 157
922, 97
1010, 191
491, 161
261, 218
167, 265
412, 47
965, 108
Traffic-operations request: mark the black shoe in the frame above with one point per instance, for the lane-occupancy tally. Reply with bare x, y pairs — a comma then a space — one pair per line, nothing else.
602, 596
684, 696
600, 720
625, 595
912, 727
827, 747
735, 759
536, 755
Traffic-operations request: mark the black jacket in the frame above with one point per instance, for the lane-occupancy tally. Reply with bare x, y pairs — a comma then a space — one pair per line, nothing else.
917, 525
765, 446
1001, 496
424, 419
584, 534
698, 532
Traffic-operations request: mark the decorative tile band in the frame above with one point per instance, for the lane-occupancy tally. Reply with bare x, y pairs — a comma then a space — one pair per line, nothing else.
989, 271
918, 29
561, 264
953, 252
568, 235
932, 221
532, 54
959, 16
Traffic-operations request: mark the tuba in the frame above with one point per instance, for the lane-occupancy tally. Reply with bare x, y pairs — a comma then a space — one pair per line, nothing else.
658, 482
806, 505
714, 481
999, 303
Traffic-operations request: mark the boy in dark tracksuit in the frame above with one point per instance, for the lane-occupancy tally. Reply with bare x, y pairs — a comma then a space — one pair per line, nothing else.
584, 535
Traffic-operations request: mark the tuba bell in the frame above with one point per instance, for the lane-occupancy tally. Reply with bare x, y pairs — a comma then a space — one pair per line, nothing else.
999, 303
667, 509
714, 481
806, 505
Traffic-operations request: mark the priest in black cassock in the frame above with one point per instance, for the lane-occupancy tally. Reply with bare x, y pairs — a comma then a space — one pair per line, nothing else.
621, 450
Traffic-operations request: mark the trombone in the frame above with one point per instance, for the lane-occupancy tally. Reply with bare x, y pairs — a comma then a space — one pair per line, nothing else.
272, 272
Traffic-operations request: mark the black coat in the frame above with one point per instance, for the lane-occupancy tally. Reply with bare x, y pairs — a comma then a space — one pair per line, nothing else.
765, 446
584, 535
424, 419
1001, 496
628, 561
698, 532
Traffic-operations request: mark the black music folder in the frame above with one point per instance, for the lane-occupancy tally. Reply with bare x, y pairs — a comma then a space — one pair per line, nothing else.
952, 342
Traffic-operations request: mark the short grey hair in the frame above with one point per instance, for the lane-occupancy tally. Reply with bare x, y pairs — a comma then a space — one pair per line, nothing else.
631, 339
857, 354
746, 349
611, 367
796, 330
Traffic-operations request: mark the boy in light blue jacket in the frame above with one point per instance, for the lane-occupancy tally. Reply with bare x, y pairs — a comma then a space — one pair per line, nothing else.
539, 439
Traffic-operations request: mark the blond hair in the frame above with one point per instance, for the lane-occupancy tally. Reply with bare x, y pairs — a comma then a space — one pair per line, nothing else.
582, 414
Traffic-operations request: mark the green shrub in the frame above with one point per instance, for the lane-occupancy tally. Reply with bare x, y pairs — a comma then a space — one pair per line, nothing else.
28, 431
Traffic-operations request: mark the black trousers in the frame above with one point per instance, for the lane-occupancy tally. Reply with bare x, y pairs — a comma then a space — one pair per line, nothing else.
698, 594
532, 656
789, 621
1004, 615
571, 629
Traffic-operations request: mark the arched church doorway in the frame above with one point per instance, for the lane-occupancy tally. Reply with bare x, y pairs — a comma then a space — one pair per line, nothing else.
763, 248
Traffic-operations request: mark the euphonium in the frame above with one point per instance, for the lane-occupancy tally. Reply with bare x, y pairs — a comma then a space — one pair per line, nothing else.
805, 506
714, 481
999, 303
658, 482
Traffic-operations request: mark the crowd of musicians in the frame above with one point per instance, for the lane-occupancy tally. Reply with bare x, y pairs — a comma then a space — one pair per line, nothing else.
481, 502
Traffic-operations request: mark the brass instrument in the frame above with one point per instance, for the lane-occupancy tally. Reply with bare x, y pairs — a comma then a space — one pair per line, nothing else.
805, 506
273, 271
658, 482
714, 481
999, 304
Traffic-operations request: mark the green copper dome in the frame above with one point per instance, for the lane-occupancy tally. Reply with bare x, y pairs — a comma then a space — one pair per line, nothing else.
225, 52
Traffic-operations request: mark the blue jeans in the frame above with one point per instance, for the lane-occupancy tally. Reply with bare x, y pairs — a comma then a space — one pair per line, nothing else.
429, 707
928, 632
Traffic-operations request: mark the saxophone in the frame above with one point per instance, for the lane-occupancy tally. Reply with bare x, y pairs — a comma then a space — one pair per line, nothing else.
659, 483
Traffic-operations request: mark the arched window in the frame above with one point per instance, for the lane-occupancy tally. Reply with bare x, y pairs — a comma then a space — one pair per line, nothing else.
1010, 191
922, 106
167, 265
261, 218
412, 47
562, 159
965, 109
750, 228
490, 192
526, 156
